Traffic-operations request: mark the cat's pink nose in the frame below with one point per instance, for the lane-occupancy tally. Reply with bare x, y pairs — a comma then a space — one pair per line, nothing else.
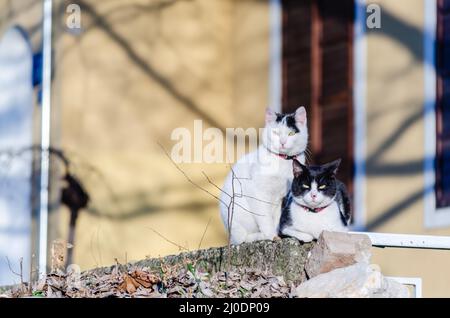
313, 196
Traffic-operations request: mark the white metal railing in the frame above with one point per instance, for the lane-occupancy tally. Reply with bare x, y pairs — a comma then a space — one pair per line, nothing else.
410, 281
408, 240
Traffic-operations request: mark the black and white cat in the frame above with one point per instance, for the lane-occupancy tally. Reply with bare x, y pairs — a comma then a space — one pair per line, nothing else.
317, 202
262, 179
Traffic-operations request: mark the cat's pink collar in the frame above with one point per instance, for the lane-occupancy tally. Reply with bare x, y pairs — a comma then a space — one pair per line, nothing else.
313, 210
287, 157
283, 155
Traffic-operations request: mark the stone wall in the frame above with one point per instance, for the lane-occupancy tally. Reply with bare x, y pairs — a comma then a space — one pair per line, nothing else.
285, 258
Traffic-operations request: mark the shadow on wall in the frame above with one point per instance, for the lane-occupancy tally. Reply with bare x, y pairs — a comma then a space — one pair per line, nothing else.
394, 28
102, 22
411, 38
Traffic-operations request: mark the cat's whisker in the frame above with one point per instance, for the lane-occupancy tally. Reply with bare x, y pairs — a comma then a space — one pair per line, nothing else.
308, 154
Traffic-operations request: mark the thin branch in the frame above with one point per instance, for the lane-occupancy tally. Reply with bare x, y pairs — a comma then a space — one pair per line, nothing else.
204, 233
91, 249
166, 239
30, 286
10, 267
198, 186
20, 275
213, 184
231, 217
241, 195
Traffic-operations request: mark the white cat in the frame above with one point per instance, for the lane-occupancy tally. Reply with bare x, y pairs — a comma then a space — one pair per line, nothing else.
262, 178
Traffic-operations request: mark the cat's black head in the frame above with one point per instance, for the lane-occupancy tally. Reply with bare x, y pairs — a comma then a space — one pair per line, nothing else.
315, 186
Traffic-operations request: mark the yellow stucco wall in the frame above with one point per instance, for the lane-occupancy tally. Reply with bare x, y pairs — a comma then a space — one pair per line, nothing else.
395, 143
135, 73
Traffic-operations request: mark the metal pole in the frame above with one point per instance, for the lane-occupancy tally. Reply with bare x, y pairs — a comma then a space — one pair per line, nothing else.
359, 108
45, 135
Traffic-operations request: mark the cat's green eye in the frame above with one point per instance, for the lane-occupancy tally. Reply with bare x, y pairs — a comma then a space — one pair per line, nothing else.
292, 133
322, 187
305, 186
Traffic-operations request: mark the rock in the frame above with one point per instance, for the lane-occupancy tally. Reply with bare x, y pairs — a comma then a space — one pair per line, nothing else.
356, 281
336, 250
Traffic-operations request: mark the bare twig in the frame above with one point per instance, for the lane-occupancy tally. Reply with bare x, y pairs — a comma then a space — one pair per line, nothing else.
241, 195
182, 248
30, 285
21, 271
91, 244
10, 267
230, 218
200, 187
99, 250
187, 177
204, 233
20, 274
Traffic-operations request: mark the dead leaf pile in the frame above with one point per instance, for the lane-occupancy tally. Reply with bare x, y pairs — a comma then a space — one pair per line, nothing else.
250, 284
183, 281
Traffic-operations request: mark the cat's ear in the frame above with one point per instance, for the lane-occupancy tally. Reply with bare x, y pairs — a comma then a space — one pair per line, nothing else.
300, 116
271, 116
298, 168
333, 167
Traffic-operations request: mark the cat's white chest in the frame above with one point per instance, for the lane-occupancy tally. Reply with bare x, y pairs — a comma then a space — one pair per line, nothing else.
274, 172
274, 179
328, 219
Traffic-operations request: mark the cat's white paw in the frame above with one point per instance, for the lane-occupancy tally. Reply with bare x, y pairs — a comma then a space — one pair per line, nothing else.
305, 238
302, 237
277, 239
269, 235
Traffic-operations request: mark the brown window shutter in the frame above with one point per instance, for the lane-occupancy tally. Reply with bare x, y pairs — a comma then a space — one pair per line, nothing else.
296, 54
443, 105
317, 73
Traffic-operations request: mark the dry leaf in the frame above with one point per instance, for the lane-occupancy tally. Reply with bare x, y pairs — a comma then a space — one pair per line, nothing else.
128, 284
58, 255
247, 285
49, 292
144, 279
41, 284
204, 288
